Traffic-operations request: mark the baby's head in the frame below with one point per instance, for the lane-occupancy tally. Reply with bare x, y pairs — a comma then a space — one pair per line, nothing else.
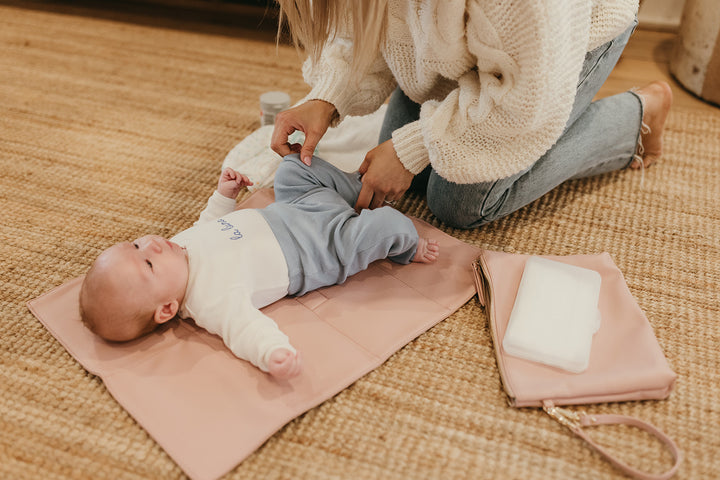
133, 287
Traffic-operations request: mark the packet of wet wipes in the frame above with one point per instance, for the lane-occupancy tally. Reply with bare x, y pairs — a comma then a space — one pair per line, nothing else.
555, 315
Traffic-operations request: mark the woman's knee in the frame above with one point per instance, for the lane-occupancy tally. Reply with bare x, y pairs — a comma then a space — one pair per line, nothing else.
458, 205
453, 214
470, 205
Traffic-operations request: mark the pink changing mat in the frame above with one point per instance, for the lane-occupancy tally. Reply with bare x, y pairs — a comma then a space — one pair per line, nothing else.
208, 409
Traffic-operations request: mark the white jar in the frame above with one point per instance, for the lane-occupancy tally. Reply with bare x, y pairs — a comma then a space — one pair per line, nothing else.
272, 103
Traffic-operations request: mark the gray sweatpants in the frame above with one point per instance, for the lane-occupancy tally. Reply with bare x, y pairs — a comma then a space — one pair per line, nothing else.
324, 240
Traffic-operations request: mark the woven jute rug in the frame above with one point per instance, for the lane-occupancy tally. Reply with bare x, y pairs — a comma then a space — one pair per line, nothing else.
110, 130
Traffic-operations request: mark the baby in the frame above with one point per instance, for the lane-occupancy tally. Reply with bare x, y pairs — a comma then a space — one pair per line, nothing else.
231, 263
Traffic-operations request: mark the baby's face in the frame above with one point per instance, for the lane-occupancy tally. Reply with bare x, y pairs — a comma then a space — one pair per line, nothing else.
155, 268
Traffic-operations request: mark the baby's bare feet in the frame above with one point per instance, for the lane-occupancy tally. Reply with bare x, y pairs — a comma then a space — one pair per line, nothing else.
427, 251
657, 97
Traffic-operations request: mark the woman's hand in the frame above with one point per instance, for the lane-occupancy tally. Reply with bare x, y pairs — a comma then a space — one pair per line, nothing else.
312, 118
384, 177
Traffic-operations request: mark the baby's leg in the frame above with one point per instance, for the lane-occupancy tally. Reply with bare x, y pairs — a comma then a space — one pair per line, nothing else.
427, 251
375, 234
321, 182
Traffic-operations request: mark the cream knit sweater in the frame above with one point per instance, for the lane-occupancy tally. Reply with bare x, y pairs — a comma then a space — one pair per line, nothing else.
496, 80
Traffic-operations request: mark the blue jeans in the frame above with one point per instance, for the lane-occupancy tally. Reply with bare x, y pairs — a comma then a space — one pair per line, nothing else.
599, 137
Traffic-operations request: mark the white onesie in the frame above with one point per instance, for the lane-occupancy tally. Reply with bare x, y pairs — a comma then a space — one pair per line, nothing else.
236, 267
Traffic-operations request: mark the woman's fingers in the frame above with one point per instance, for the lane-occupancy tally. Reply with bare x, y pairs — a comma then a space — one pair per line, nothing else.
384, 177
364, 197
312, 118
284, 127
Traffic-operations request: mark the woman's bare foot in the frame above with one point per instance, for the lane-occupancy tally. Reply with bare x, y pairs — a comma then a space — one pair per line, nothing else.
427, 251
657, 98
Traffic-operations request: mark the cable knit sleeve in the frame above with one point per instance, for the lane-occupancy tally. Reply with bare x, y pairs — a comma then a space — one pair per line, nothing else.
509, 107
330, 79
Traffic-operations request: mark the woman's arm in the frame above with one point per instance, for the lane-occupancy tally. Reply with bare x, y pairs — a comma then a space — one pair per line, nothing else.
333, 81
335, 94
509, 109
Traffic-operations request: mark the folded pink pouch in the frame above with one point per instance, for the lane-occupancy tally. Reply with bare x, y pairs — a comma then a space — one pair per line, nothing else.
208, 409
626, 362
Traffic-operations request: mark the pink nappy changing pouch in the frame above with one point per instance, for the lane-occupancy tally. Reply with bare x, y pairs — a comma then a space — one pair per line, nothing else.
208, 409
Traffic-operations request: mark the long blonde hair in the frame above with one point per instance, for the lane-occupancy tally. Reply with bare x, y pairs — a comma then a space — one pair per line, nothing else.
315, 22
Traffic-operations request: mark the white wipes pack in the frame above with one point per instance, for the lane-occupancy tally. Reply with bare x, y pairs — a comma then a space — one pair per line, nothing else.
555, 315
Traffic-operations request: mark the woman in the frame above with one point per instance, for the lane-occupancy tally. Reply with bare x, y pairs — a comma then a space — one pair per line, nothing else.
490, 102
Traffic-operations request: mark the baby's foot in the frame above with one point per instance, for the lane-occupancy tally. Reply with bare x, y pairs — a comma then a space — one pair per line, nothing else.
284, 364
657, 99
427, 251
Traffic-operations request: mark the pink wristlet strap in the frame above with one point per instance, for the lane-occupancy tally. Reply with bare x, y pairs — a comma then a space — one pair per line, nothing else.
576, 421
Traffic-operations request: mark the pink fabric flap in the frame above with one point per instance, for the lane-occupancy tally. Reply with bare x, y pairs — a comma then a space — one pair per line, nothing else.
626, 362
210, 410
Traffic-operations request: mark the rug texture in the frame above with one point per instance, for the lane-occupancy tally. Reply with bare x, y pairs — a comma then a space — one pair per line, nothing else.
110, 130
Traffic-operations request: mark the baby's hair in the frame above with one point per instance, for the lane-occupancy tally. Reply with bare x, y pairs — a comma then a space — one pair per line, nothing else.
84, 317
96, 320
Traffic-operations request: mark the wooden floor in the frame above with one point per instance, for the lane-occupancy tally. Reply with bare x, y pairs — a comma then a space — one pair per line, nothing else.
647, 58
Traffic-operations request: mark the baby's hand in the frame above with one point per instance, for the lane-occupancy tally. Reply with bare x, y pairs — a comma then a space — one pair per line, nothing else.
231, 182
284, 364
